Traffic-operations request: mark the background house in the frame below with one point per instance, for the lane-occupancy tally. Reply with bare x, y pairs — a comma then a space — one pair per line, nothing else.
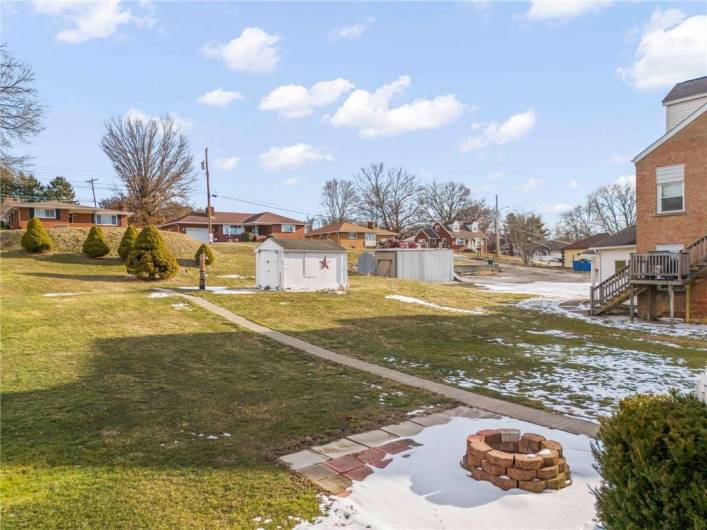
548, 252
574, 251
350, 235
56, 214
456, 236
611, 254
230, 226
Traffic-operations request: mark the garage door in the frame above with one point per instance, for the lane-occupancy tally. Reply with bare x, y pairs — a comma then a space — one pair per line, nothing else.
200, 234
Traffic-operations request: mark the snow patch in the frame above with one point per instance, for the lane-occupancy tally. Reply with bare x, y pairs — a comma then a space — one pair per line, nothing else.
563, 291
429, 489
159, 294
54, 295
412, 300
182, 306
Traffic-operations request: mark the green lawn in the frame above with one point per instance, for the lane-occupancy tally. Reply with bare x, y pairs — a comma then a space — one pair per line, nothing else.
543, 360
105, 394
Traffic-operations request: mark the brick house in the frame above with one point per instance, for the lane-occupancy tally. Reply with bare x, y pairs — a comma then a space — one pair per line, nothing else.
456, 236
54, 214
230, 226
350, 235
668, 273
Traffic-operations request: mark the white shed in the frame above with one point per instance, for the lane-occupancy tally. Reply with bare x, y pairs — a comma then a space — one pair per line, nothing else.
300, 265
422, 264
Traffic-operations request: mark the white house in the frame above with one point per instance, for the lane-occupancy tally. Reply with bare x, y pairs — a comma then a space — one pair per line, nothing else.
612, 254
300, 265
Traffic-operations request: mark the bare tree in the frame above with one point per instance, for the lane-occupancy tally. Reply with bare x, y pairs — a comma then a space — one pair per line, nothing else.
444, 201
577, 223
20, 109
153, 160
388, 197
613, 207
339, 200
524, 231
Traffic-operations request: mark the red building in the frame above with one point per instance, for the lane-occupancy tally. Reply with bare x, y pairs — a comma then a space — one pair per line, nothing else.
57, 214
456, 236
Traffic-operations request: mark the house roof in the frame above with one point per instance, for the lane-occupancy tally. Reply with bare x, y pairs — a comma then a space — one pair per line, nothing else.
74, 207
429, 232
467, 234
587, 242
304, 245
236, 218
552, 244
342, 227
623, 238
672, 132
687, 89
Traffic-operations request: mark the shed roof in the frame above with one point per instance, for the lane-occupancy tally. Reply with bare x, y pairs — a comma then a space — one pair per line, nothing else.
587, 242
311, 245
687, 89
623, 238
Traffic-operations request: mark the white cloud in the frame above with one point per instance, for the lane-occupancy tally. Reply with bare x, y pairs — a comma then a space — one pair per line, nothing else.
556, 208
219, 97
371, 114
497, 175
291, 181
297, 101
89, 20
225, 164
563, 9
530, 185
673, 48
514, 128
574, 183
351, 32
293, 156
182, 123
254, 51
626, 179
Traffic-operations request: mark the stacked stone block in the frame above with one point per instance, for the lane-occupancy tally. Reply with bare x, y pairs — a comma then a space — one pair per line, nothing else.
509, 460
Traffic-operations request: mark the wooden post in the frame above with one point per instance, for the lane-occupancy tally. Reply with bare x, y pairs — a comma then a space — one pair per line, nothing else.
672, 304
687, 303
202, 271
631, 301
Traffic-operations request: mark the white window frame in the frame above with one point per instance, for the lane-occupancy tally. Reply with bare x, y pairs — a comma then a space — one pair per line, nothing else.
354, 234
45, 210
460, 242
369, 236
667, 175
111, 216
288, 229
255, 230
233, 230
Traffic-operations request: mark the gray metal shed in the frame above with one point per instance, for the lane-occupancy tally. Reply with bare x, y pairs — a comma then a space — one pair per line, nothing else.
422, 264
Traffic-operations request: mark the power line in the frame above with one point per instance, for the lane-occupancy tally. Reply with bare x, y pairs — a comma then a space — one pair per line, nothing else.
266, 205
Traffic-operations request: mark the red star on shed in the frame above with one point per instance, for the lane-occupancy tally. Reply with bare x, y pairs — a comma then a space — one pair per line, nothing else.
324, 263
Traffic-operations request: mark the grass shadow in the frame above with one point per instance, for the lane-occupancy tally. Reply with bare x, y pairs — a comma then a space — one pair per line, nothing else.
82, 277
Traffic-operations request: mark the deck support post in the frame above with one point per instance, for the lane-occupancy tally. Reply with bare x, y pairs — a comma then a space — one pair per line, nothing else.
631, 308
672, 304
687, 303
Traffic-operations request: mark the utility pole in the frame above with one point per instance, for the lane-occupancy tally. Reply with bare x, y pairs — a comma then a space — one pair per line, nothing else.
205, 167
91, 181
498, 235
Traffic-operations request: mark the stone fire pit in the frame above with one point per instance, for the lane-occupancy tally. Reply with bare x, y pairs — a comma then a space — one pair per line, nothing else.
509, 460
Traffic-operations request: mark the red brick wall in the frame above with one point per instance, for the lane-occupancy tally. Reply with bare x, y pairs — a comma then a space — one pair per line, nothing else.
688, 147
77, 219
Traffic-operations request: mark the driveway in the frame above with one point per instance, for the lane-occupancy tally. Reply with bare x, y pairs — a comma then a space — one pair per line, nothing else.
544, 282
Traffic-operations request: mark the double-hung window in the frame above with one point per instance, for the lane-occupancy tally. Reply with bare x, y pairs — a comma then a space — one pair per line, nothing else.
288, 228
104, 219
45, 213
369, 236
232, 230
670, 182
352, 235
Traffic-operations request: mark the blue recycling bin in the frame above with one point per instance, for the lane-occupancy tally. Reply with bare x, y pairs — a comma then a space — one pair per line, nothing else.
582, 265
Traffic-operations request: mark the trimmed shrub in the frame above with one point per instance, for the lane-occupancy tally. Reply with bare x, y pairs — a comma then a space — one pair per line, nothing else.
95, 245
205, 249
652, 456
150, 258
246, 237
127, 243
36, 238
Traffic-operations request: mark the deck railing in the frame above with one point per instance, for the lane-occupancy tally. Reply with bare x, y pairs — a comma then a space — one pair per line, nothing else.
698, 252
663, 266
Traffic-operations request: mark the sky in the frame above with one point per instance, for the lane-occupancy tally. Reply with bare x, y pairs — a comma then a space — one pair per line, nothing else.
537, 102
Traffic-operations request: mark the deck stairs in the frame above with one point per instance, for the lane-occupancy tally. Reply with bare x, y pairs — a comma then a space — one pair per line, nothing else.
653, 268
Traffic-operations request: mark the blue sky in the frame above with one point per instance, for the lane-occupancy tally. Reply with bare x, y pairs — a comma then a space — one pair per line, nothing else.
538, 102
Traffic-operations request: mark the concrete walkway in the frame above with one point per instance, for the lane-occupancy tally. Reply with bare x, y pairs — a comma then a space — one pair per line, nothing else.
496, 406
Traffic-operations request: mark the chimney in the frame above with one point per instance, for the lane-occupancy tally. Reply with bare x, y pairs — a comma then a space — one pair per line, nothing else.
209, 211
371, 225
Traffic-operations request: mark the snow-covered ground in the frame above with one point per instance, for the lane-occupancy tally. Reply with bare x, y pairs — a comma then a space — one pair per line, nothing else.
413, 300
427, 489
557, 290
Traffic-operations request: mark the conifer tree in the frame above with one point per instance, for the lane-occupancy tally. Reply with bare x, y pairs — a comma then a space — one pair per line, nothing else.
95, 245
205, 249
127, 243
36, 238
150, 258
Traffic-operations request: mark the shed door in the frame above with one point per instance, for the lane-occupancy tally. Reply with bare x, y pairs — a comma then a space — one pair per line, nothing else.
270, 274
